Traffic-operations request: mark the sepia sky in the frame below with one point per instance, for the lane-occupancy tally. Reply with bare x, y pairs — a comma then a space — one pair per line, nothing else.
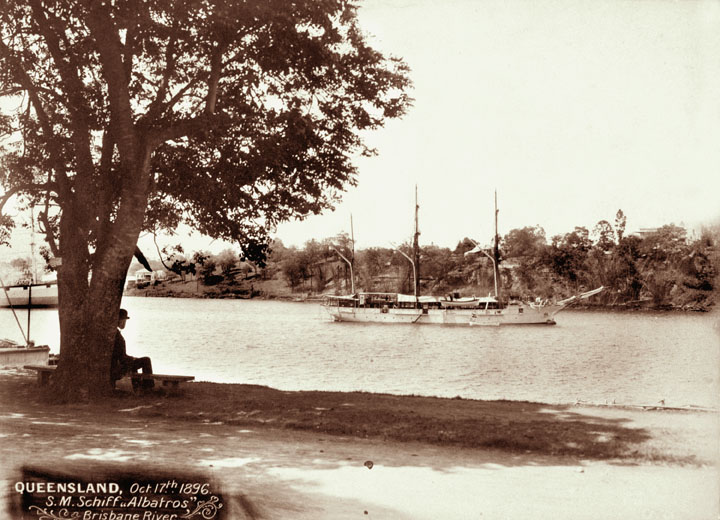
570, 109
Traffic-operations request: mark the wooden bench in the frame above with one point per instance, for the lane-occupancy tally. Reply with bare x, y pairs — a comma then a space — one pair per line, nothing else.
43, 372
172, 382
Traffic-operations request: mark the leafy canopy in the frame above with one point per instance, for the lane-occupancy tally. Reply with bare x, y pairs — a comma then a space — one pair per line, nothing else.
251, 111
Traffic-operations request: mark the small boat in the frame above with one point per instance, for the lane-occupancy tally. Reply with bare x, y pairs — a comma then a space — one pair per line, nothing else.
463, 303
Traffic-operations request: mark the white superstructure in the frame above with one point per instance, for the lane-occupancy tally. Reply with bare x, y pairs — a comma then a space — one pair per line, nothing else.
398, 308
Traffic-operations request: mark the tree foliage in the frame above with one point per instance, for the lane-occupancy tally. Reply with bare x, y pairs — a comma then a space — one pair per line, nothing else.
661, 267
250, 111
129, 115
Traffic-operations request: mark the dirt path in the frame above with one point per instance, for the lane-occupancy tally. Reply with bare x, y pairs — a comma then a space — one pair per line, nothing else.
284, 473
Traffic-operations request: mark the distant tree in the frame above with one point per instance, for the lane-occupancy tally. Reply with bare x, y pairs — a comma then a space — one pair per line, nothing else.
182, 266
568, 254
659, 282
230, 116
370, 264
277, 250
667, 241
604, 235
294, 268
316, 255
627, 277
464, 246
207, 271
276, 257
620, 223
699, 272
6, 226
227, 261
342, 248
525, 242
205, 266
436, 263
526, 246
23, 270
710, 235
200, 257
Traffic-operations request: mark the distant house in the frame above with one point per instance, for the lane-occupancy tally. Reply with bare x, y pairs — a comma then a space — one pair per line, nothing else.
144, 277
644, 232
511, 263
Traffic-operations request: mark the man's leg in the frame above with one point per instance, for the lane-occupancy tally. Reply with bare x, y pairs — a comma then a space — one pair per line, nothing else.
145, 365
142, 363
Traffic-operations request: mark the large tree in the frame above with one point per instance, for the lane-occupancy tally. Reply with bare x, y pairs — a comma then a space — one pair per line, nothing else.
136, 114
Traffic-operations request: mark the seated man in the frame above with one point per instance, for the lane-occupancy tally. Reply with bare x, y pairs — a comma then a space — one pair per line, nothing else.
122, 364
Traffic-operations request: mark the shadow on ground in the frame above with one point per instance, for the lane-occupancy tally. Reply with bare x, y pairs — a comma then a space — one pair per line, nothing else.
338, 455
507, 426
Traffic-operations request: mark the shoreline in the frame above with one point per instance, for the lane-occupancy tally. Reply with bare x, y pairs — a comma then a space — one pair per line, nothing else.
620, 308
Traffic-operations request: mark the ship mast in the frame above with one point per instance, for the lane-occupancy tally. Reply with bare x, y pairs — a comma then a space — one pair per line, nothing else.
496, 253
416, 251
34, 266
352, 255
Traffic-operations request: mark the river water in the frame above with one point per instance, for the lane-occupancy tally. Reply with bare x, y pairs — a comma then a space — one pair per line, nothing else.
593, 357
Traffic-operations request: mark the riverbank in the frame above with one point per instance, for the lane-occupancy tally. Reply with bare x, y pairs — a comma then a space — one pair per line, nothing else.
349, 455
277, 290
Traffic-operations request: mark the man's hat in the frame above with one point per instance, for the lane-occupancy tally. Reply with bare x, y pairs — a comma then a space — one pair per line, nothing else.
123, 315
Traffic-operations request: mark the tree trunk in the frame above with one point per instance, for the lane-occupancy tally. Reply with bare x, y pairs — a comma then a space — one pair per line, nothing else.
88, 324
89, 301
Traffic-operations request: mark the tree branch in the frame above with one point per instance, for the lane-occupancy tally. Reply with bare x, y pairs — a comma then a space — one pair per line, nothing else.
214, 79
47, 186
74, 87
170, 63
198, 78
187, 127
45, 120
108, 43
159, 253
49, 235
104, 197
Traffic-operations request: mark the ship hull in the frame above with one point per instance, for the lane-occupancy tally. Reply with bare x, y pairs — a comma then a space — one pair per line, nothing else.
518, 315
37, 295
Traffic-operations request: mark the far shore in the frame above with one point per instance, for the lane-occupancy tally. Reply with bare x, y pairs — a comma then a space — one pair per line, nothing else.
271, 290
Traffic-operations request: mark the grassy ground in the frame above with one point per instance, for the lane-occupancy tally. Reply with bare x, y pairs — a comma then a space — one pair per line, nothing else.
589, 433
326, 455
